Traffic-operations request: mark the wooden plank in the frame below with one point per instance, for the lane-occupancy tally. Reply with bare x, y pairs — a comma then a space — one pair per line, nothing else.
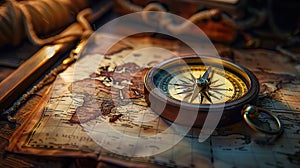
25, 75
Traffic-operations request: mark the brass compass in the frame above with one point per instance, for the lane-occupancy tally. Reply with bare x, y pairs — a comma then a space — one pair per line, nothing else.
201, 83
206, 85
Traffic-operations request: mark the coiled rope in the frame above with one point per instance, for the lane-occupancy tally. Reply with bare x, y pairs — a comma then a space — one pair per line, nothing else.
257, 19
40, 20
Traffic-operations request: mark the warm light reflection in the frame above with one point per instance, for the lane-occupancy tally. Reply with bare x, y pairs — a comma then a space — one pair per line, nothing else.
51, 50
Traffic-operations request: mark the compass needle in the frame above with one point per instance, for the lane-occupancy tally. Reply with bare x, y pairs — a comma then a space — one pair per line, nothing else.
181, 84
194, 96
181, 87
222, 84
189, 79
213, 82
218, 92
206, 73
185, 91
196, 91
213, 88
185, 82
207, 97
212, 95
194, 79
201, 99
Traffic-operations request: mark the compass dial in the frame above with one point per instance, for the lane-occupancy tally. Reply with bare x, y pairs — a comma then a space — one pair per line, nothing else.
219, 87
200, 83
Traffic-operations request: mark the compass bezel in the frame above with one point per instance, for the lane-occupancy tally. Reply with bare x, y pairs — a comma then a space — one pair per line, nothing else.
231, 112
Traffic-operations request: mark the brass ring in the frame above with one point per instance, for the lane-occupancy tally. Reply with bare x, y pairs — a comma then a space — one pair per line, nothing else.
250, 111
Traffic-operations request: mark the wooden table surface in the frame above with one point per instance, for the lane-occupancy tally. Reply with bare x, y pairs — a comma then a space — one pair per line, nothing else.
7, 128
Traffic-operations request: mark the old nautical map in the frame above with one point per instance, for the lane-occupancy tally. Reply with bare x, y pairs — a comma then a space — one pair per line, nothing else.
60, 128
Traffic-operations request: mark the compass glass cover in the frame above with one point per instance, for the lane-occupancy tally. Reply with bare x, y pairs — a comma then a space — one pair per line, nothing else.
199, 83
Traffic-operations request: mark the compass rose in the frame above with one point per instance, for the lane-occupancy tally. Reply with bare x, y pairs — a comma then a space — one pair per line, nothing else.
201, 88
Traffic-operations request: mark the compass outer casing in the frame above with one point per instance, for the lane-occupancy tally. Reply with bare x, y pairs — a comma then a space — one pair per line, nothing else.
231, 110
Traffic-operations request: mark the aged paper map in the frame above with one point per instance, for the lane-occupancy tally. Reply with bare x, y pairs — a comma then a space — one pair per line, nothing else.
60, 128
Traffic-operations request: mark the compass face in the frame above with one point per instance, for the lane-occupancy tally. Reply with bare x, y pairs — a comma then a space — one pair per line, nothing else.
187, 83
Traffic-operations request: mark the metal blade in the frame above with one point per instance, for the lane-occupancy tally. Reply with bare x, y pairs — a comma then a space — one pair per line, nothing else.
187, 85
185, 91
184, 81
212, 95
220, 85
201, 98
206, 73
195, 93
218, 92
194, 79
213, 82
207, 97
